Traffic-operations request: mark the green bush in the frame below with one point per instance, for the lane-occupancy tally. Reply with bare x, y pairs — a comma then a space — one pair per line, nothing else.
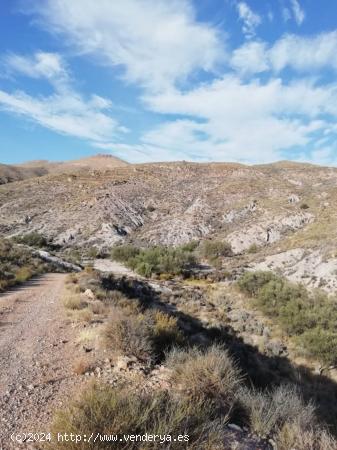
155, 260
32, 239
212, 250
124, 253
321, 344
311, 317
252, 282
18, 264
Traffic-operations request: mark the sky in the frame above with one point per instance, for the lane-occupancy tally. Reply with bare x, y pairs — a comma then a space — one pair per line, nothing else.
155, 80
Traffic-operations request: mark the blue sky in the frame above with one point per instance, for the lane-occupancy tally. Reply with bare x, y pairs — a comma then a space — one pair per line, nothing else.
154, 80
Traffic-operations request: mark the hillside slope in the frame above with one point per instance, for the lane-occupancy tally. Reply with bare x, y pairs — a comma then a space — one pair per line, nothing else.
287, 210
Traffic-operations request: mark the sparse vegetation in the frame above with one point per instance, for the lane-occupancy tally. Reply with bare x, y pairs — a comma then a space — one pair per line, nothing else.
143, 335
118, 410
18, 264
311, 317
129, 334
254, 248
209, 376
32, 239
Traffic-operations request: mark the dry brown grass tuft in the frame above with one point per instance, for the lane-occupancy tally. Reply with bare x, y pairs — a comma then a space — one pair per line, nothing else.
209, 376
81, 366
128, 334
270, 411
123, 410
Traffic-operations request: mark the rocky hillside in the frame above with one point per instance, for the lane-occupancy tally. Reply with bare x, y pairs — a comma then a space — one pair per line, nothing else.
280, 216
31, 169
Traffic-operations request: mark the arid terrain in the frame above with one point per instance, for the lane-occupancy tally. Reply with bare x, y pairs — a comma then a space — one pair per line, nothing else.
238, 263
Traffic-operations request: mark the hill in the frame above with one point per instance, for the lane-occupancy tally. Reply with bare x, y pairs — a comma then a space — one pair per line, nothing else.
210, 254
31, 169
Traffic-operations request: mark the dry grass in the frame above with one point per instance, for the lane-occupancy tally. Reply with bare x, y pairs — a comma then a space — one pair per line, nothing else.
128, 334
88, 335
121, 410
207, 376
72, 301
270, 411
81, 366
97, 307
83, 315
294, 436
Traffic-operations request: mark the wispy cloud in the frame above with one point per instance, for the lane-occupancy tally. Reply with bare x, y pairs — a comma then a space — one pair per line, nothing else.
250, 19
302, 54
40, 65
298, 11
65, 111
156, 42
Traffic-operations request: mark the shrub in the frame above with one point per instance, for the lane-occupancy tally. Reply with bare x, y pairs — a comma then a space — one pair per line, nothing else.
304, 206
165, 333
129, 334
294, 436
190, 246
252, 282
269, 411
213, 250
73, 301
311, 317
277, 294
81, 366
253, 248
124, 253
23, 274
32, 239
121, 410
18, 264
206, 376
84, 315
321, 344
154, 260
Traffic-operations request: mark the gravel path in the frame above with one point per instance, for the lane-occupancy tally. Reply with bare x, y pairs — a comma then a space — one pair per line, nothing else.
106, 265
37, 348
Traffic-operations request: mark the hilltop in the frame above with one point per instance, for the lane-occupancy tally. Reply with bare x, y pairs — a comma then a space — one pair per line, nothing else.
31, 169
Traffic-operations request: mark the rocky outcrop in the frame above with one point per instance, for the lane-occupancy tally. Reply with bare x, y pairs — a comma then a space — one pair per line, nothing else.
267, 232
308, 267
58, 261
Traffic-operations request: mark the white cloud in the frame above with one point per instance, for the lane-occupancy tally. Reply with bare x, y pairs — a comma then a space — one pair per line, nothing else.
66, 114
157, 42
250, 58
64, 111
303, 54
230, 120
298, 12
42, 65
250, 19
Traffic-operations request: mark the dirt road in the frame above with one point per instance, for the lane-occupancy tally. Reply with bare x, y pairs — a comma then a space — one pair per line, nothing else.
36, 356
